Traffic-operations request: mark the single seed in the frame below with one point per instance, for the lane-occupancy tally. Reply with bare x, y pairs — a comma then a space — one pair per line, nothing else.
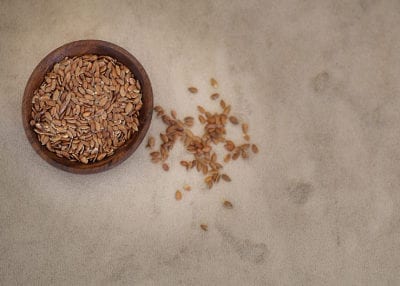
192, 89
173, 114
233, 120
254, 148
246, 137
204, 227
165, 167
227, 158
245, 128
201, 109
202, 119
214, 83
228, 205
151, 142
155, 154
187, 188
235, 155
226, 178
178, 195
84, 160
164, 138
214, 96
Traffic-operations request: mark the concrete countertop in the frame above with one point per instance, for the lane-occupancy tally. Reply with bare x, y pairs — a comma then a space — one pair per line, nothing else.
318, 83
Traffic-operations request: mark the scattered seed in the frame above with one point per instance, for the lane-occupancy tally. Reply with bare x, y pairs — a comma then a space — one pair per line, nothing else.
214, 83
189, 121
155, 154
227, 158
178, 195
233, 120
202, 119
150, 142
214, 96
193, 89
226, 178
229, 145
201, 146
201, 109
204, 227
228, 205
235, 154
254, 148
165, 167
184, 164
164, 137
173, 114
245, 128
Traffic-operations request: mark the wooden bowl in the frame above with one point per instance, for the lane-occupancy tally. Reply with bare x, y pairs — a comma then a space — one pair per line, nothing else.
75, 49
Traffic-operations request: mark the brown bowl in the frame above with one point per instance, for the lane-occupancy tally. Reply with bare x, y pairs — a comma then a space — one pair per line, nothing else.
75, 49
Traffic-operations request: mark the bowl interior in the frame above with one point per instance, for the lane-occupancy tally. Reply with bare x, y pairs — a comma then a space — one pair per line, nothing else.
76, 49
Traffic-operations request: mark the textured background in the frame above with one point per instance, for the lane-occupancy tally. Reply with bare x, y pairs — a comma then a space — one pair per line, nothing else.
318, 82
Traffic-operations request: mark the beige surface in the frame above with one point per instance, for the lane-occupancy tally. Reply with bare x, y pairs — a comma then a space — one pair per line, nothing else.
318, 82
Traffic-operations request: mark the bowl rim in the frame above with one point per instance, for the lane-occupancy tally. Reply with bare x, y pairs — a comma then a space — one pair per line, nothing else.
123, 152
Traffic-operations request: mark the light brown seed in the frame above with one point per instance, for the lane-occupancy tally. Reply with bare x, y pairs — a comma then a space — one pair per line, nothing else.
122, 91
192, 89
254, 148
164, 137
102, 101
229, 145
101, 156
165, 167
236, 154
150, 142
214, 96
227, 158
246, 137
228, 205
155, 154
201, 109
189, 121
187, 188
227, 109
205, 169
233, 120
178, 195
245, 128
202, 119
128, 108
204, 227
173, 114
226, 178
84, 160
214, 83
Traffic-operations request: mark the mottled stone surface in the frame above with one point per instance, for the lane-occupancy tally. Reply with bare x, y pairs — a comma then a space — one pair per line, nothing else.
317, 81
